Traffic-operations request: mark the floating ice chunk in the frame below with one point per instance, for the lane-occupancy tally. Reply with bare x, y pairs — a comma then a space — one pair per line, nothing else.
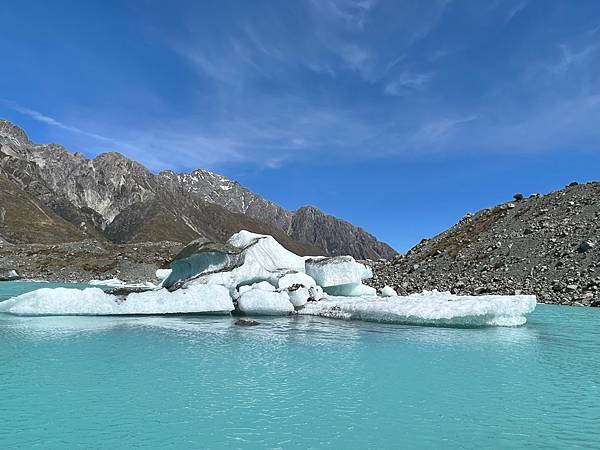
388, 291
337, 270
94, 301
430, 308
8, 274
298, 278
298, 296
259, 302
351, 290
316, 293
163, 274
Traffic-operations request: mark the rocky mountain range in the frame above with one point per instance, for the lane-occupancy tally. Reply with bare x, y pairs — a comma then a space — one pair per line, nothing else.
546, 245
111, 197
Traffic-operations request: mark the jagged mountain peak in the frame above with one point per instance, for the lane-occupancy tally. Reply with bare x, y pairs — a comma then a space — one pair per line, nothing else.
328, 232
309, 209
12, 132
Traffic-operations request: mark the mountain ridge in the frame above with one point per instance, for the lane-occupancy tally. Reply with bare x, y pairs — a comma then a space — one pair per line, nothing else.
92, 193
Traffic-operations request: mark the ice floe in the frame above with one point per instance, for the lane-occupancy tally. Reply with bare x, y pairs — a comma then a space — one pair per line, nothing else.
94, 301
428, 308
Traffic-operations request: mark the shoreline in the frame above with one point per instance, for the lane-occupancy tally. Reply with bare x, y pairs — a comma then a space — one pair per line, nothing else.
82, 262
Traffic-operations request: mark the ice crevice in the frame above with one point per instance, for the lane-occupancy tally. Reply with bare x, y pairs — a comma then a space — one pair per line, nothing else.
253, 274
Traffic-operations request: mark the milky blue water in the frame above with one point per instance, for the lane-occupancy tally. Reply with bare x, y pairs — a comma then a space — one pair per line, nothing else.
203, 382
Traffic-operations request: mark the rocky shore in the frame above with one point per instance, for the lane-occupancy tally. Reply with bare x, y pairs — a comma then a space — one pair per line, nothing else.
545, 245
87, 260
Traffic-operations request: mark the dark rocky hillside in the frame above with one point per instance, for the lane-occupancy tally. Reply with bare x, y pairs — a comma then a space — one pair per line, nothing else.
335, 236
547, 245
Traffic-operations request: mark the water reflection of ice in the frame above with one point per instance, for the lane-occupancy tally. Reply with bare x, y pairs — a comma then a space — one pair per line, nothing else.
304, 330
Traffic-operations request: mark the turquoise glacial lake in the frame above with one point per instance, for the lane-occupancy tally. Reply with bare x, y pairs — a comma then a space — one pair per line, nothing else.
186, 382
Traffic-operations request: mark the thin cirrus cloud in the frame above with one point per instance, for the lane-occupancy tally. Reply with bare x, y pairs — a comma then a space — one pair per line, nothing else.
43, 118
406, 83
268, 84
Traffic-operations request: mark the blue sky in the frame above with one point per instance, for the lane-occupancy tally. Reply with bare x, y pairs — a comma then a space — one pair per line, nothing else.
400, 116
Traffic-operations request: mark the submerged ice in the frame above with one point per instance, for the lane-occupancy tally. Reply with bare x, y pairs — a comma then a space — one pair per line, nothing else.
428, 308
253, 274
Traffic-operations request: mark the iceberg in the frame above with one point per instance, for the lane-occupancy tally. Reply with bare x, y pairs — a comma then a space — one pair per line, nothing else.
388, 291
255, 275
257, 258
264, 303
428, 308
337, 270
95, 302
8, 274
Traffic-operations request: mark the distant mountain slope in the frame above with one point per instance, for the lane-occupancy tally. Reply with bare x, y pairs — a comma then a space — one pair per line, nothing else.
105, 194
546, 245
23, 219
336, 236
307, 224
157, 220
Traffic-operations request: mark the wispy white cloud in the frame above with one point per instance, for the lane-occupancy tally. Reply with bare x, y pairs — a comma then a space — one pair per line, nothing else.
274, 88
570, 58
354, 56
407, 82
353, 13
516, 9
43, 118
436, 131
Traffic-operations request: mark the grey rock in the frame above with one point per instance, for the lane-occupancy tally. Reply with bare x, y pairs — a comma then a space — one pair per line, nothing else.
585, 246
246, 322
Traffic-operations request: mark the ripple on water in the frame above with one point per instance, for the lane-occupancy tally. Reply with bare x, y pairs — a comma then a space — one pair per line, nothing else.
303, 382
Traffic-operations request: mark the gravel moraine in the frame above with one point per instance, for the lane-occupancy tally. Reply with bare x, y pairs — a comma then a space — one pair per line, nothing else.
546, 245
